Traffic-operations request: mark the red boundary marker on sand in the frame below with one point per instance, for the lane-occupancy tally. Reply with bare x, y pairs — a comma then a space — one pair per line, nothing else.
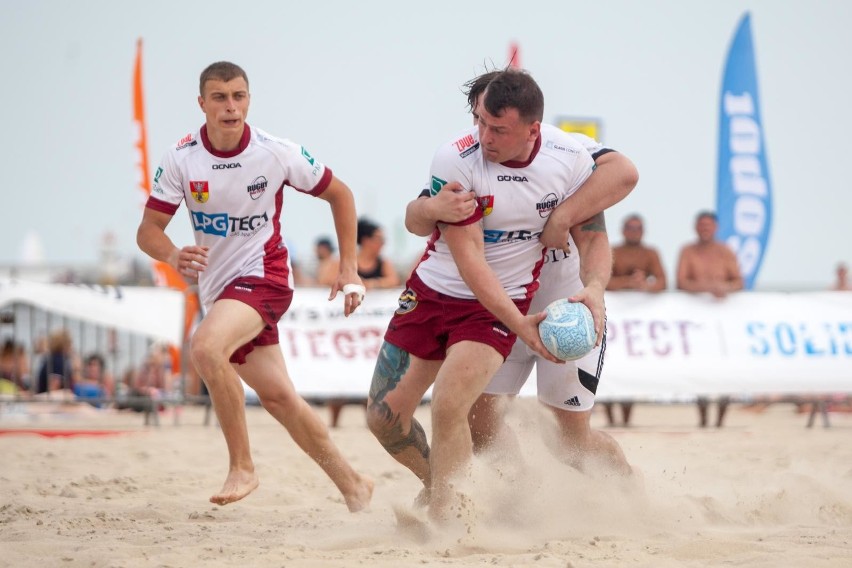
60, 433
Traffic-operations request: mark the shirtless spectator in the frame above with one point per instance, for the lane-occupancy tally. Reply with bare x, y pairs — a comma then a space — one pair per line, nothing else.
634, 265
709, 266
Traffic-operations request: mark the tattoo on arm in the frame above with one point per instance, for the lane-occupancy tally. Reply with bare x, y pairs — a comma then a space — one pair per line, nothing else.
596, 224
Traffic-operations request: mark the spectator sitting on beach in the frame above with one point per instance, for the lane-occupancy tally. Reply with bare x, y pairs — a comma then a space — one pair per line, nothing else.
14, 368
151, 383
374, 270
328, 264
842, 282
60, 367
96, 386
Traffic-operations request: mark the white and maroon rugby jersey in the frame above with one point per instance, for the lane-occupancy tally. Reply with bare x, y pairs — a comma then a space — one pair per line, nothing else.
234, 201
560, 275
515, 200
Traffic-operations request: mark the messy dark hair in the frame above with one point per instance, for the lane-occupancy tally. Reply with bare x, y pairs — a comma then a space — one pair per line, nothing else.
514, 88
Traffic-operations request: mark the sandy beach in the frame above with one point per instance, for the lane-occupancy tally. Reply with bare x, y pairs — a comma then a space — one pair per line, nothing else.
762, 491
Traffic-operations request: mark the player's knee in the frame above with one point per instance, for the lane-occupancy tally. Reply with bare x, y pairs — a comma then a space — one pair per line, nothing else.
446, 408
279, 401
203, 353
379, 419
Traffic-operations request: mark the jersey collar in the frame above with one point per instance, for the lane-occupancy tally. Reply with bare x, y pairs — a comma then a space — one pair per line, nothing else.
244, 142
528, 161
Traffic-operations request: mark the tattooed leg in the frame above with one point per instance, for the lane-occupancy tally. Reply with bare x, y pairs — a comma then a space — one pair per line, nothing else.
398, 385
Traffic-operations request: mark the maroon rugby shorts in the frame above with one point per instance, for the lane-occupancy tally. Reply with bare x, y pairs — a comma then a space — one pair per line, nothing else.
427, 323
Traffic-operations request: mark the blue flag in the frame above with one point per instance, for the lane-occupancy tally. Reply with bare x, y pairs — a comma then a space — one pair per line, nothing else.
744, 194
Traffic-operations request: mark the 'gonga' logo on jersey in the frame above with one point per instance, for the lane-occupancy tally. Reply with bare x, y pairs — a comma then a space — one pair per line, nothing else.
486, 203
200, 191
407, 301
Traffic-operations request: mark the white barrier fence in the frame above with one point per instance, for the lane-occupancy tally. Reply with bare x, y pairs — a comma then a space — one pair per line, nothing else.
659, 346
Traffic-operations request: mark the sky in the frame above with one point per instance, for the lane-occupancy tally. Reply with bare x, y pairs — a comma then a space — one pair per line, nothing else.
373, 88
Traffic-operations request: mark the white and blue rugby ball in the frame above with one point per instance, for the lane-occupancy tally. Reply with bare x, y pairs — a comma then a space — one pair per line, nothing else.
568, 331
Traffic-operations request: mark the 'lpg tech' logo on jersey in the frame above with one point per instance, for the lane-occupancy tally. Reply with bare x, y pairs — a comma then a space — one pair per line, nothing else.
498, 236
466, 146
221, 225
229, 166
486, 203
200, 191
546, 205
257, 187
215, 224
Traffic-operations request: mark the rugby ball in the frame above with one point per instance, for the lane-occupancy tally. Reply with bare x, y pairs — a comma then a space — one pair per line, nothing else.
568, 331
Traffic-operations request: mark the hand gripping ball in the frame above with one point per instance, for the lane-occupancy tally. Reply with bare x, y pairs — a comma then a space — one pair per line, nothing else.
568, 331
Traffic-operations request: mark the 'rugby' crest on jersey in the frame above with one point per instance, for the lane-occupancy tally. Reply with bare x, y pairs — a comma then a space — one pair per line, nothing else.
257, 187
200, 191
546, 205
486, 203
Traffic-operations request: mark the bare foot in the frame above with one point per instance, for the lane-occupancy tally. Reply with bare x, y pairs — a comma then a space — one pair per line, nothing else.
359, 498
237, 485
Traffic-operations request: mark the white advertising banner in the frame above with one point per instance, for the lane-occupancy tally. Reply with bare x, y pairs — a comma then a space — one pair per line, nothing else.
659, 346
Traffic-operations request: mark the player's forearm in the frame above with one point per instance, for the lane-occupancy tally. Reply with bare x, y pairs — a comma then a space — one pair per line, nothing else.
343, 214
477, 274
614, 178
596, 262
592, 243
418, 219
490, 292
154, 242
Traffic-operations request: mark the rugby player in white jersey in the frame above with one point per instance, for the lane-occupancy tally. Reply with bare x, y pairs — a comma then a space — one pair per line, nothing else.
232, 178
580, 273
401, 434
465, 302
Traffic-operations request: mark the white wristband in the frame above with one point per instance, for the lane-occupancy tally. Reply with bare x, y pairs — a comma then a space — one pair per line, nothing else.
354, 289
